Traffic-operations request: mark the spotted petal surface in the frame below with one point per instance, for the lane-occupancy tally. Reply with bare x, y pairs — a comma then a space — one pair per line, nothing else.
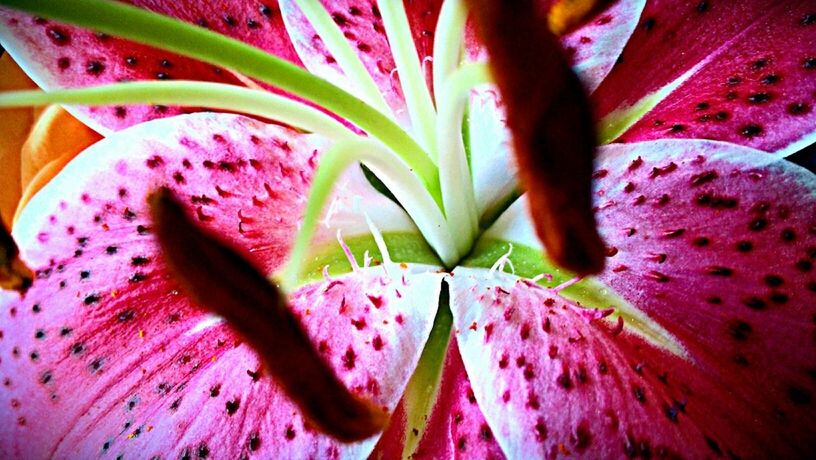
105, 339
595, 46
555, 381
718, 247
457, 426
754, 80
715, 244
60, 56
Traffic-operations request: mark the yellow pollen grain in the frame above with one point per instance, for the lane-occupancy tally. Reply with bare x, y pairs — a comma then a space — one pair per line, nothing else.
564, 14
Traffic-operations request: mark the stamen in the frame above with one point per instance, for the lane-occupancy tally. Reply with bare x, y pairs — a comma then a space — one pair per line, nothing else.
502, 261
395, 174
542, 276
553, 132
412, 79
326, 275
378, 238
347, 251
340, 49
448, 38
567, 284
458, 195
192, 94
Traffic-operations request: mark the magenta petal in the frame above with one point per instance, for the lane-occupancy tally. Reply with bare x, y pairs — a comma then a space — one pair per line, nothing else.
362, 25
553, 383
59, 56
755, 86
457, 428
718, 247
105, 355
239, 177
145, 384
595, 46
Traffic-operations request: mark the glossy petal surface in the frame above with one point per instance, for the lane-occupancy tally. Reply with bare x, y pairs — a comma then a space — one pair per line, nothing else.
554, 380
457, 427
594, 47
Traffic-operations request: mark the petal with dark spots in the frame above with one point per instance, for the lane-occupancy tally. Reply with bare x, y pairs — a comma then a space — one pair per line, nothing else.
755, 84
457, 428
741, 302
61, 56
595, 45
603, 394
220, 279
106, 338
549, 117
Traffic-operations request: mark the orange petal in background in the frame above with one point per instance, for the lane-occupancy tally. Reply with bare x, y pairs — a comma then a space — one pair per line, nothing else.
35, 144
13, 132
55, 139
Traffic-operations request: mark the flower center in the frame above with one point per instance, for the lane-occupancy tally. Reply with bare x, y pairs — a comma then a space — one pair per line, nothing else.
443, 207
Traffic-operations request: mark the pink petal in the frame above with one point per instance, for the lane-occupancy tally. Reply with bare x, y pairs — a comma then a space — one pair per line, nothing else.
192, 383
551, 382
58, 56
232, 171
756, 81
596, 45
362, 25
457, 428
593, 47
718, 247
105, 351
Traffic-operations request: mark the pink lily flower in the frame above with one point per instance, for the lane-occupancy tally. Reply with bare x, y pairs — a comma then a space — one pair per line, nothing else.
432, 307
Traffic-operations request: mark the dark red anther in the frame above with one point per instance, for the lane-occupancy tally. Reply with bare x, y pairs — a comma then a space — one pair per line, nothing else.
223, 281
553, 130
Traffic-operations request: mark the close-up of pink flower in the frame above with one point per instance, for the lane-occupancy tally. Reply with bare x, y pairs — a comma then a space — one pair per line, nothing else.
407, 229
